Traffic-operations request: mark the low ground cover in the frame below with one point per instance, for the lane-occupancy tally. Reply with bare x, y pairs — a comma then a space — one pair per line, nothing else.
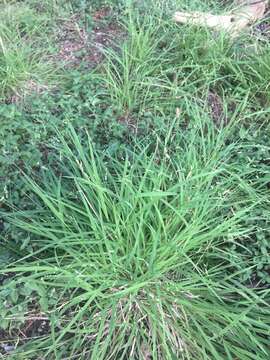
134, 184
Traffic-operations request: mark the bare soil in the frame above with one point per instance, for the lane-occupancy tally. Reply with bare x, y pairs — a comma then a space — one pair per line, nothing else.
78, 46
215, 105
34, 326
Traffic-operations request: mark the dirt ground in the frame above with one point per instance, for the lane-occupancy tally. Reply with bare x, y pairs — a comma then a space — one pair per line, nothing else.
78, 46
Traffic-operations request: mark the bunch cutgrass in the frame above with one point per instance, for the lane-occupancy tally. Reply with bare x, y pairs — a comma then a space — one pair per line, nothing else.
135, 249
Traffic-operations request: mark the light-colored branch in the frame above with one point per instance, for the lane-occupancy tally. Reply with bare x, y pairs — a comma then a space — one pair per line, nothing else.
232, 22
204, 19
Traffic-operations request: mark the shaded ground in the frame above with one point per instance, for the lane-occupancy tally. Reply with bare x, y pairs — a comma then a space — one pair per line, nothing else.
34, 326
220, 115
215, 105
77, 45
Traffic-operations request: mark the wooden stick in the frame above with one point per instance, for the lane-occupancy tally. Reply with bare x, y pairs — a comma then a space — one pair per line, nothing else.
232, 22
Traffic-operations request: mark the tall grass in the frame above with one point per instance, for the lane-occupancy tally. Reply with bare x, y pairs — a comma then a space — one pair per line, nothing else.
133, 253
24, 44
161, 62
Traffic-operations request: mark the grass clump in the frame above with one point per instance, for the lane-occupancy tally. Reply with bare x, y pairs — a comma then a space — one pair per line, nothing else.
24, 44
20, 72
124, 256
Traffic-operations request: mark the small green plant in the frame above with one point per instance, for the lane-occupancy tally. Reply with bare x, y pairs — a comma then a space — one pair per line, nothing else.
254, 250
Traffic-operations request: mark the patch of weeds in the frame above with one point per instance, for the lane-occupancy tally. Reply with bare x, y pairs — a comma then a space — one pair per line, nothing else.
28, 131
161, 63
137, 234
257, 70
50, 8
21, 317
254, 249
95, 4
22, 19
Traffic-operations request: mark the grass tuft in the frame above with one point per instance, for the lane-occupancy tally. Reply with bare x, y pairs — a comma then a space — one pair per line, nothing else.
127, 260
24, 46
